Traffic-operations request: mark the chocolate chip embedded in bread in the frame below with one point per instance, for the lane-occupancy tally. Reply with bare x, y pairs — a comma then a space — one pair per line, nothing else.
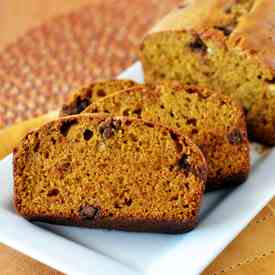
66, 125
182, 6
81, 104
101, 93
227, 30
137, 112
235, 137
107, 132
198, 45
191, 121
183, 162
88, 134
107, 128
88, 212
116, 124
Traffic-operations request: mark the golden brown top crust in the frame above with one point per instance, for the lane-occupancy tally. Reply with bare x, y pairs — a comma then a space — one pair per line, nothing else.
256, 32
250, 24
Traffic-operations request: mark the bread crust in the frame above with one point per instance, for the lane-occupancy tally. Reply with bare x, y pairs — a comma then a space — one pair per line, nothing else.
129, 224
80, 98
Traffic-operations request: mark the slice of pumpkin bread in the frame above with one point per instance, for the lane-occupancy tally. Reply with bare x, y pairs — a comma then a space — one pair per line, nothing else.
225, 45
116, 173
83, 97
213, 121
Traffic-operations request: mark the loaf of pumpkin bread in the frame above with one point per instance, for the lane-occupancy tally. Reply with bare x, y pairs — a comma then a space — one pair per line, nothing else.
225, 45
215, 122
115, 173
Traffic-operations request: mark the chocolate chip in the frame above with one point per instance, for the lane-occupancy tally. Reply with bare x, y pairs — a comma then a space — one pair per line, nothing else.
107, 128
53, 193
81, 104
77, 107
128, 201
181, 6
129, 122
148, 124
235, 137
107, 132
125, 112
199, 93
36, 147
191, 121
88, 212
271, 81
137, 112
66, 125
88, 134
117, 124
101, 93
191, 89
102, 126
183, 162
175, 138
227, 30
198, 45
228, 9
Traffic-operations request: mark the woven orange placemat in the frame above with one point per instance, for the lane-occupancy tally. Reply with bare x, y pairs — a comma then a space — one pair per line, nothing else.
98, 41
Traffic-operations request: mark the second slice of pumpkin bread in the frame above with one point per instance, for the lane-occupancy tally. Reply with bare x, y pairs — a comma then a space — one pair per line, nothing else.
213, 121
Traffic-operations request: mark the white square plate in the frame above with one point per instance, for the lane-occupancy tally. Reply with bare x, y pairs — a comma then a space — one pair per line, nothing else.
102, 252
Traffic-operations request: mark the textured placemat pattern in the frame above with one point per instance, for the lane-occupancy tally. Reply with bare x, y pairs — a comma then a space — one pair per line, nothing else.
98, 41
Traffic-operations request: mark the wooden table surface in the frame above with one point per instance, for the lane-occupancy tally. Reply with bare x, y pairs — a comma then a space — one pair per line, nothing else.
251, 253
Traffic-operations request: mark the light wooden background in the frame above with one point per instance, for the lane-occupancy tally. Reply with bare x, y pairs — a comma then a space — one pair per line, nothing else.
251, 253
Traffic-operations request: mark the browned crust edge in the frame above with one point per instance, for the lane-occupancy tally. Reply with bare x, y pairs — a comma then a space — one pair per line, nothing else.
227, 182
84, 94
124, 224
